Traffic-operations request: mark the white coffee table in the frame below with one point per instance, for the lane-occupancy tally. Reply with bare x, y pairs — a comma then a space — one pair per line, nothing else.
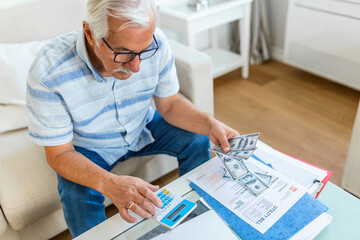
343, 207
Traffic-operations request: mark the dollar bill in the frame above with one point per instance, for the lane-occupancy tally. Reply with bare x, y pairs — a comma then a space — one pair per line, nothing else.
253, 184
235, 168
238, 144
225, 173
249, 142
216, 148
266, 178
241, 155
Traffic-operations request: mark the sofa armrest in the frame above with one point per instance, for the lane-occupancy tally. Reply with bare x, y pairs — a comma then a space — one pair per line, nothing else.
195, 76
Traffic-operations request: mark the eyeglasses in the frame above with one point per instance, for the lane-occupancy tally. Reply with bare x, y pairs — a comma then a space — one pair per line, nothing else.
128, 57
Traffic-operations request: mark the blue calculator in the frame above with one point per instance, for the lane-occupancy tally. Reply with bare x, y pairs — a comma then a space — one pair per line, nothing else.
174, 209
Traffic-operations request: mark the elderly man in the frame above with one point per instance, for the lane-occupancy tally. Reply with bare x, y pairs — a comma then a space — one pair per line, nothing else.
89, 96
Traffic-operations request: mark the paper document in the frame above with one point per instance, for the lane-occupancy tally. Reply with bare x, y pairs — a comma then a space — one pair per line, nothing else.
260, 211
308, 176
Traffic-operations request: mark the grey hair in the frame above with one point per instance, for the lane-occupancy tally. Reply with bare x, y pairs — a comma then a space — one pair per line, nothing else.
136, 11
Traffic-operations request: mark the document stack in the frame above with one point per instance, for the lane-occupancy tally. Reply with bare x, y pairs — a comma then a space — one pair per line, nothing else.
262, 193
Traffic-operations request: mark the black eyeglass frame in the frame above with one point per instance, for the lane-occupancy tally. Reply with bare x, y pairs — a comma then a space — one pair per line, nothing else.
133, 54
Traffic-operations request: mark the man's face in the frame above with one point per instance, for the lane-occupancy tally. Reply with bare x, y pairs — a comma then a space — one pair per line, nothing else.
128, 40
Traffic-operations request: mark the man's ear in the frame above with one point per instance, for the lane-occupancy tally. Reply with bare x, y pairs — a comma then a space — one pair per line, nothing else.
88, 34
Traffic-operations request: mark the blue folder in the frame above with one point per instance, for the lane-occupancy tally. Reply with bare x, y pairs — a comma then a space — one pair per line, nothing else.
298, 216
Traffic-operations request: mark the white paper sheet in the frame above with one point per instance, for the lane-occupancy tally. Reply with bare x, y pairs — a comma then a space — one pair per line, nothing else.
260, 212
296, 170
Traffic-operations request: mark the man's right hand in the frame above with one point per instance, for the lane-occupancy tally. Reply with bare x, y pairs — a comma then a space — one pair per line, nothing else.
122, 190
126, 191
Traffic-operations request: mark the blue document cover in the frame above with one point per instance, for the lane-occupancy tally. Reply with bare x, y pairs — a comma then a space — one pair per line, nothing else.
303, 212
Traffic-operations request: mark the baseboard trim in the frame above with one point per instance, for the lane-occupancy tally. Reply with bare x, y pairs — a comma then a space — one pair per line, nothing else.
277, 54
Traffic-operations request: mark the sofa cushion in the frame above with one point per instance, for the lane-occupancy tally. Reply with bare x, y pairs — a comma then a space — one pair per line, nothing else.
12, 117
28, 186
15, 62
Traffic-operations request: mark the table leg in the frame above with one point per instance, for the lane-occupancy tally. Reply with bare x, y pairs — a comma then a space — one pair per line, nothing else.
244, 31
214, 38
189, 37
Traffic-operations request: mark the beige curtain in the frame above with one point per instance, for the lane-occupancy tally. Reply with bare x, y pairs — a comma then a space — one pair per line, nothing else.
260, 39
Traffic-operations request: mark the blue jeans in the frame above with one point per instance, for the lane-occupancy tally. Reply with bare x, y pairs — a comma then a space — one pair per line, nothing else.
84, 207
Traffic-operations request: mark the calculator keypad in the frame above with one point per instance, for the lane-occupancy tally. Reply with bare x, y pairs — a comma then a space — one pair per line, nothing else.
174, 208
166, 198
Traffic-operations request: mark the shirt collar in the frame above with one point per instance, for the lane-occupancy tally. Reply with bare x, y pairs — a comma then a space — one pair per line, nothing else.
82, 52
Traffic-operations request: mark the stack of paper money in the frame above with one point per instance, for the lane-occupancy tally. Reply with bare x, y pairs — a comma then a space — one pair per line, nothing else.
241, 149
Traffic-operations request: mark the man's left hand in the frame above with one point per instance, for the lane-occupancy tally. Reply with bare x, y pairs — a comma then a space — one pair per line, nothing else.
219, 133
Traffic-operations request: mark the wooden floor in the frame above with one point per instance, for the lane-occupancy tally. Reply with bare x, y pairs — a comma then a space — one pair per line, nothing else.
295, 112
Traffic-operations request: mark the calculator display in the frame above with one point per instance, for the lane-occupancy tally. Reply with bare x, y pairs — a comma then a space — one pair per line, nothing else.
174, 209
173, 214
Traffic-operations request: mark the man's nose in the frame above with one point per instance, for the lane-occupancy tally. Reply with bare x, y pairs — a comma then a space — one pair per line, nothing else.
134, 65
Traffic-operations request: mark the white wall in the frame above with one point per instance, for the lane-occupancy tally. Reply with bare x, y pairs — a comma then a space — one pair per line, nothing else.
278, 16
12, 3
203, 38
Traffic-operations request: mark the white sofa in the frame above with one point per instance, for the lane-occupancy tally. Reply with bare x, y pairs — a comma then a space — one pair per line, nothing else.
29, 201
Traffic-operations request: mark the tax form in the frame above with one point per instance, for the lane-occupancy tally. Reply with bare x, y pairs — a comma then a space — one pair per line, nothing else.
261, 211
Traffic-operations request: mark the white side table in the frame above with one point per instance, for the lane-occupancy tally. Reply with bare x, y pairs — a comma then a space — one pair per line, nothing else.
351, 178
181, 17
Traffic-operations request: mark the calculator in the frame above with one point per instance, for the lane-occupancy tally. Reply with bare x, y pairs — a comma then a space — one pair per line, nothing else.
174, 208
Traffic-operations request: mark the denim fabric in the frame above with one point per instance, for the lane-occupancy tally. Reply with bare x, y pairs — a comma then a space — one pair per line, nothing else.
84, 207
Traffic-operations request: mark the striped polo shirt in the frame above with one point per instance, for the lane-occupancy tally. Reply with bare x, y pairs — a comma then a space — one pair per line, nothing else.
69, 100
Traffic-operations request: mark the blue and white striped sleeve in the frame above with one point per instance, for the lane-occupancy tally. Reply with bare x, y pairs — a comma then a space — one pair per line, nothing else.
50, 123
168, 81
